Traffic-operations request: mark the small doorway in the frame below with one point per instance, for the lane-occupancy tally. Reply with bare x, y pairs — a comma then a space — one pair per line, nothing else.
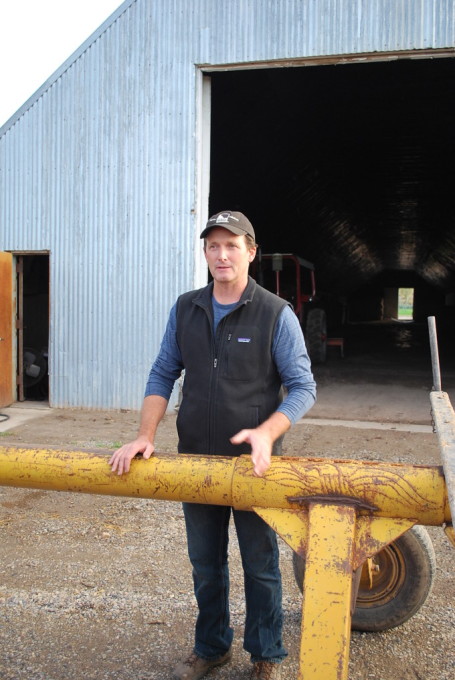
405, 304
398, 304
32, 326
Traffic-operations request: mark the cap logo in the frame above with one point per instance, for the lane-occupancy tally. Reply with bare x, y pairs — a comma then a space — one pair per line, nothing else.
224, 218
236, 222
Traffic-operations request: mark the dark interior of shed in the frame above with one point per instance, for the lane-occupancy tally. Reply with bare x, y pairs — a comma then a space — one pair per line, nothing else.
349, 166
33, 313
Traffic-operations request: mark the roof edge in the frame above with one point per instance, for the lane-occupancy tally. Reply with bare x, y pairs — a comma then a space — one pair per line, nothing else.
31, 101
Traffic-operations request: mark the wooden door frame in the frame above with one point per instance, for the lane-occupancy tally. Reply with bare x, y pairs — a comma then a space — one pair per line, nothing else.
7, 391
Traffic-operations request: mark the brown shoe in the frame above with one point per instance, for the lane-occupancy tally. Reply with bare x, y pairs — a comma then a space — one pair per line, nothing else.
195, 667
266, 670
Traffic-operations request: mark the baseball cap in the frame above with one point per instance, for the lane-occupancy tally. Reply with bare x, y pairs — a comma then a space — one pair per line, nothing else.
231, 220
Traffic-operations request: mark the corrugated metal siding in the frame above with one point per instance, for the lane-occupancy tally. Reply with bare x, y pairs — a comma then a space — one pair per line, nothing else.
99, 167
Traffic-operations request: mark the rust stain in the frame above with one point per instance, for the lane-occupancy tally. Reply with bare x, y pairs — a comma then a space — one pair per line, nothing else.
334, 499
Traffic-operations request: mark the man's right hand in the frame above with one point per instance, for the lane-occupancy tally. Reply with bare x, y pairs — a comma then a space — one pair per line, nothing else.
121, 459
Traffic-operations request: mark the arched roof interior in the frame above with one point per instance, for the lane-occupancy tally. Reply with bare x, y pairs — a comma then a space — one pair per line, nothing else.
350, 166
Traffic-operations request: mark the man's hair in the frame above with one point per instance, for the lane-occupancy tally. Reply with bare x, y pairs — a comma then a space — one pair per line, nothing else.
250, 242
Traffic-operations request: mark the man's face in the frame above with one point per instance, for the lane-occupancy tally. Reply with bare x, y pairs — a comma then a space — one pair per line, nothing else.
228, 256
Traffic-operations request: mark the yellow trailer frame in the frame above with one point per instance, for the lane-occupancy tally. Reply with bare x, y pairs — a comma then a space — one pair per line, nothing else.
334, 513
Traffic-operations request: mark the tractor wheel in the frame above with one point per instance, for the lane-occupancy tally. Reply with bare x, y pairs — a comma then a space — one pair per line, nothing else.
316, 335
394, 584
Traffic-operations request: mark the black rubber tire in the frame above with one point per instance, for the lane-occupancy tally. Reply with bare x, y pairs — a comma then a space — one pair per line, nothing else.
406, 572
316, 335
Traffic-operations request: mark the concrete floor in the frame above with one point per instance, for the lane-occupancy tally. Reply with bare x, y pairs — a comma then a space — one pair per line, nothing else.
385, 375
21, 412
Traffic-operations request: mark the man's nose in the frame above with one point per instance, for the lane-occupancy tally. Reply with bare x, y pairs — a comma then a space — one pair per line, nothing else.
222, 254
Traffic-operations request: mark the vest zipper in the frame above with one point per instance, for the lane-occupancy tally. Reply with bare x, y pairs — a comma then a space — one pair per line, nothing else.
213, 384
215, 361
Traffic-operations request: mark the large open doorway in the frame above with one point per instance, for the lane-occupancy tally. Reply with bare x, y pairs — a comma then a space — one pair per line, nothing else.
350, 167
32, 324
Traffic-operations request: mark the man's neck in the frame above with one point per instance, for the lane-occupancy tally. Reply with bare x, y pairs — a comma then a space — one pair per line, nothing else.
227, 293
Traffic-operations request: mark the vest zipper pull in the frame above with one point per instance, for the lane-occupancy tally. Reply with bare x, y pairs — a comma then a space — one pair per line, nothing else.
215, 361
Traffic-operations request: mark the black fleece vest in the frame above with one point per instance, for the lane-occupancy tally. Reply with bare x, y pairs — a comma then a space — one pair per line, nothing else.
231, 381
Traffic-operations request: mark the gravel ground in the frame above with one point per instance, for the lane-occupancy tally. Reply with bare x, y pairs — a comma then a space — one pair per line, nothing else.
100, 587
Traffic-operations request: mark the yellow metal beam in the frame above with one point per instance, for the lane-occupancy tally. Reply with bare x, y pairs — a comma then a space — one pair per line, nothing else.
444, 418
334, 541
416, 493
326, 615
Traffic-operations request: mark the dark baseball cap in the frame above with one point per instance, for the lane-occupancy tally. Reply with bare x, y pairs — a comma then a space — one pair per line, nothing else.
231, 220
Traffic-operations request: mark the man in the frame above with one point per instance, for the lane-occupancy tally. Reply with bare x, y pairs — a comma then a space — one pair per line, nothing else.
238, 344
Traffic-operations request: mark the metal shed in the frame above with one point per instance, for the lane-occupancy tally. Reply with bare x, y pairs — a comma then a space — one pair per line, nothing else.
172, 109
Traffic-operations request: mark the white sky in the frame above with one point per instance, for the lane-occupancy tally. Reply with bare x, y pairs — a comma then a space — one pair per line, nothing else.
36, 37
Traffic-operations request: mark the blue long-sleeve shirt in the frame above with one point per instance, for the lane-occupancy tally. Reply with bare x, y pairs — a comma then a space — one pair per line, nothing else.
288, 352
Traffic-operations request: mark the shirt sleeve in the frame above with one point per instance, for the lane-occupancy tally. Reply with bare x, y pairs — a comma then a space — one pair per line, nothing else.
293, 364
167, 367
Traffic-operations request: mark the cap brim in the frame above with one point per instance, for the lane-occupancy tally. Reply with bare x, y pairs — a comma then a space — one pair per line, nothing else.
229, 227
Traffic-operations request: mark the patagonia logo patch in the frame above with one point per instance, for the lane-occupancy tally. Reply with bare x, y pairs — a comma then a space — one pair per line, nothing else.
243, 339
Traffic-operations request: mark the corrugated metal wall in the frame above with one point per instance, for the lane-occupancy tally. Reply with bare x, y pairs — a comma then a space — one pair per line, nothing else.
99, 168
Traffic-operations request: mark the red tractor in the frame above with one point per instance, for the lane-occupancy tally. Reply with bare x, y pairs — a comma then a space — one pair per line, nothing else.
292, 278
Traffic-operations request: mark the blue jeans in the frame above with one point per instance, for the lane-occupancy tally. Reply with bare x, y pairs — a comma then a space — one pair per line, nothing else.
207, 534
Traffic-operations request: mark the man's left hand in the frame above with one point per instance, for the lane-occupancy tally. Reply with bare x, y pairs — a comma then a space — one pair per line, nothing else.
261, 440
261, 448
